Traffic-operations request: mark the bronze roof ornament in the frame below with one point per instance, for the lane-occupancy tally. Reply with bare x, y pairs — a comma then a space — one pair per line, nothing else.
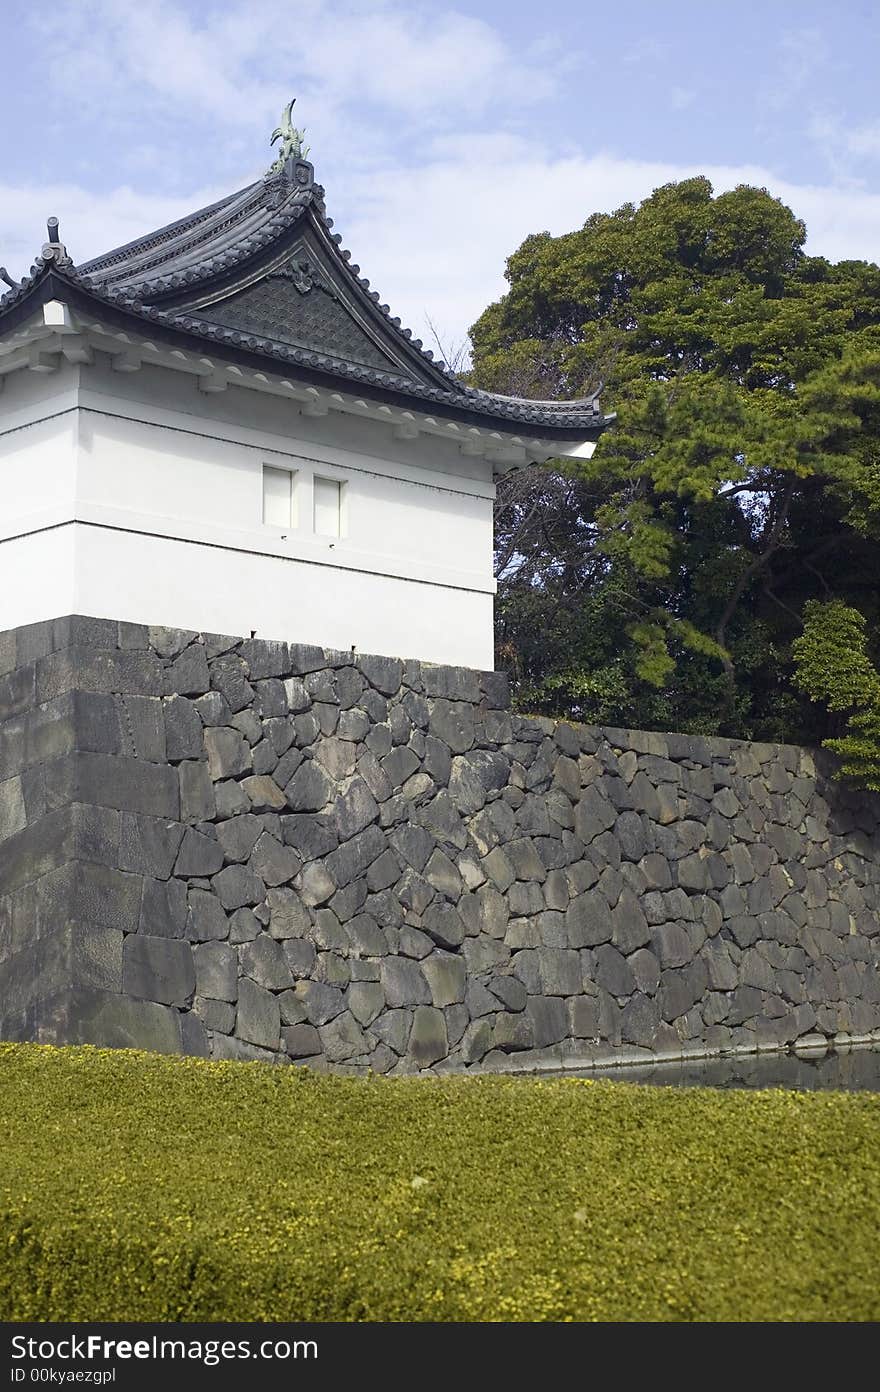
292, 146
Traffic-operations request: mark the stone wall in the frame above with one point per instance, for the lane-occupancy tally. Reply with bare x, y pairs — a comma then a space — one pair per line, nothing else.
260, 850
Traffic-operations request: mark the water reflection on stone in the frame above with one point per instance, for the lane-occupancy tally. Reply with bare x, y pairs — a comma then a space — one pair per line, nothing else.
855, 1071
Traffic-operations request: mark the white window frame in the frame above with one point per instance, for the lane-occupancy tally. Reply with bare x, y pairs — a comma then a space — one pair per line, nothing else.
275, 513
333, 533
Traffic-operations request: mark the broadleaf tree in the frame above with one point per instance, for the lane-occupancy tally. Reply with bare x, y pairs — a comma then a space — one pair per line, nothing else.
664, 582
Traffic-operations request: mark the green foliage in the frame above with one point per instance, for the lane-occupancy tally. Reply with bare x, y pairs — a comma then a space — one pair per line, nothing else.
136, 1187
740, 481
832, 664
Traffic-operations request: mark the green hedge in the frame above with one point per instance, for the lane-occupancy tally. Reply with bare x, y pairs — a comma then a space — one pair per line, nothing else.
148, 1188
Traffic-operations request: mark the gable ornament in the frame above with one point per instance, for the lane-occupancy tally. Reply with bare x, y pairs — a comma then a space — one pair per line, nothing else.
291, 146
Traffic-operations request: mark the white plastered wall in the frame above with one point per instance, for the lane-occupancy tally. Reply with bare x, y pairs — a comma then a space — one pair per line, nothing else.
135, 496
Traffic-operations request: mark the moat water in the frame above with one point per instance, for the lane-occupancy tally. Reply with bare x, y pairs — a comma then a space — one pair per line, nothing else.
855, 1071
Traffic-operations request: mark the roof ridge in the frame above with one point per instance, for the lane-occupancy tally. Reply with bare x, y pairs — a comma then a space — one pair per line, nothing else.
240, 228
160, 236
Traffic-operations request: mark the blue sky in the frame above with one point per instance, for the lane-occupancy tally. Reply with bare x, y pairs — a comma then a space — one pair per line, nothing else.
443, 135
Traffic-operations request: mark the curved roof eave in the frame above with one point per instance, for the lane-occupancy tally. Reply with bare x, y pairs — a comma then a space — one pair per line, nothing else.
148, 286
562, 421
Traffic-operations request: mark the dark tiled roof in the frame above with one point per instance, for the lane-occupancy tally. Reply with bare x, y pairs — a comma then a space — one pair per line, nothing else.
206, 276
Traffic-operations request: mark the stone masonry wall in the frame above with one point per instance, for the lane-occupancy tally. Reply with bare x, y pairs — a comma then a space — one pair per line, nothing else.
247, 849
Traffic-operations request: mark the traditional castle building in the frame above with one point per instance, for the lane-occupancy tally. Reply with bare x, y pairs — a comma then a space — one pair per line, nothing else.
221, 427
228, 827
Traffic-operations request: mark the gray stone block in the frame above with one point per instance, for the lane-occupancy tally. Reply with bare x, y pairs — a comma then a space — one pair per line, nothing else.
265, 658
446, 977
13, 817
672, 944
193, 1035
366, 1000
321, 1003
477, 1041
197, 801
593, 814
640, 1021
510, 992
158, 969
548, 1020
452, 723
355, 808
310, 789
646, 971
317, 885
18, 692
230, 799
85, 668
356, 856
95, 893
105, 780
228, 753
169, 642
183, 729
206, 921
392, 1027
680, 989
300, 956
512, 1033
266, 963
583, 1017
403, 982
383, 673
257, 1016
95, 957
264, 794
216, 967
428, 1041
97, 726
612, 971
560, 971
588, 921
199, 855
273, 862
301, 1041
629, 926
239, 835
143, 728
216, 1015
288, 916
121, 1022
443, 923
228, 677
236, 886
163, 908
343, 1039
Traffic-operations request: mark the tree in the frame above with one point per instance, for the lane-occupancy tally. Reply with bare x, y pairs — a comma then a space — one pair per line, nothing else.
663, 582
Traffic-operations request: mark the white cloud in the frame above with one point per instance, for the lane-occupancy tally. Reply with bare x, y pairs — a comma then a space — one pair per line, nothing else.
801, 55
681, 97
90, 223
428, 190
234, 63
846, 148
433, 238
647, 50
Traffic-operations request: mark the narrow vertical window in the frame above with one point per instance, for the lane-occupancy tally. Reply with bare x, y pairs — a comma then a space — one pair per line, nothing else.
277, 497
328, 507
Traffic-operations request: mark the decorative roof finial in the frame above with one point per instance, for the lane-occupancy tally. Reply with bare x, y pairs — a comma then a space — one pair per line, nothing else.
54, 249
7, 278
292, 146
